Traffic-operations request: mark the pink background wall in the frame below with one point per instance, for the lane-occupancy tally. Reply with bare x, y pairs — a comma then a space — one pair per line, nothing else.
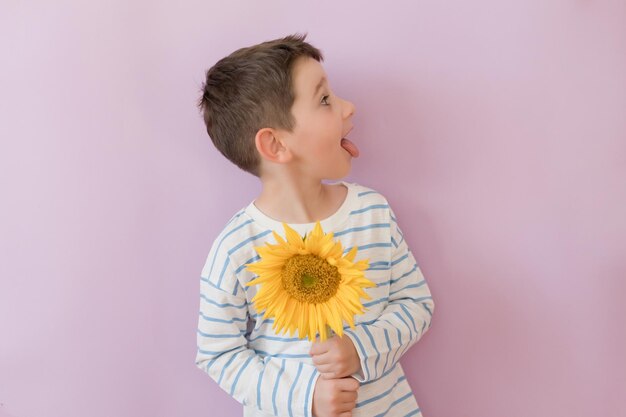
496, 131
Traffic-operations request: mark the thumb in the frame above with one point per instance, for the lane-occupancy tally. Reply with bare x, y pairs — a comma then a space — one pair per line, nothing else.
317, 347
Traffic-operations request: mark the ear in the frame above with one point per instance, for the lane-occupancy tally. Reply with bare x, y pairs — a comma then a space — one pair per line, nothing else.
270, 146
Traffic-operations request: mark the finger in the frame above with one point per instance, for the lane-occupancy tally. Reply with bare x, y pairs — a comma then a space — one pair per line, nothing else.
348, 396
321, 359
327, 369
328, 375
348, 384
330, 371
343, 373
318, 348
346, 407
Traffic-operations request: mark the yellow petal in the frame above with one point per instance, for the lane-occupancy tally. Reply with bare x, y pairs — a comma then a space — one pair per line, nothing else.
363, 264
302, 321
325, 249
317, 230
321, 320
350, 255
336, 251
312, 322
346, 314
331, 317
335, 312
290, 309
293, 237
319, 327
278, 238
312, 242
280, 304
297, 312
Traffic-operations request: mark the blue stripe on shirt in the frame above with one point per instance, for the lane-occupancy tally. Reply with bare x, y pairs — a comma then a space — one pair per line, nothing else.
362, 193
426, 307
400, 259
250, 239
368, 246
232, 389
232, 358
282, 369
361, 228
381, 377
406, 274
219, 282
373, 303
249, 261
401, 236
399, 339
218, 352
371, 337
278, 338
282, 355
258, 389
393, 404
224, 237
381, 395
308, 392
417, 285
388, 347
372, 207
220, 336
208, 300
408, 313
405, 323
363, 353
293, 386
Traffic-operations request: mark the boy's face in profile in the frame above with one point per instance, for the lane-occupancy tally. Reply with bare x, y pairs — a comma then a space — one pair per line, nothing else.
322, 120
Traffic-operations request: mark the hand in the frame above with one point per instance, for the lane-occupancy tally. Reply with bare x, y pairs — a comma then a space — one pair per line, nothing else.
335, 397
336, 357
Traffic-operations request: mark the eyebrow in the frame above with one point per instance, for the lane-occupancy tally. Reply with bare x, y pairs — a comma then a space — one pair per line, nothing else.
318, 86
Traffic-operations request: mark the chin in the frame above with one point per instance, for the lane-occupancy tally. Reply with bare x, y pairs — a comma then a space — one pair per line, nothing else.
340, 175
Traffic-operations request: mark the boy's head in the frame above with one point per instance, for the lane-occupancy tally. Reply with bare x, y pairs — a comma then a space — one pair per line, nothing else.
251, 89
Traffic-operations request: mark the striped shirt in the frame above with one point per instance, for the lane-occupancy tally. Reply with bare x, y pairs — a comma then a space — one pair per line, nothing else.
272, 374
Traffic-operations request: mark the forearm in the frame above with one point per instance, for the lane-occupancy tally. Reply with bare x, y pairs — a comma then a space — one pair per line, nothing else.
250, 379
405, 319
381, 344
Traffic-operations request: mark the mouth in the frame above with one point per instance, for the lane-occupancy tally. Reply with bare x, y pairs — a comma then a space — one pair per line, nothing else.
349, 146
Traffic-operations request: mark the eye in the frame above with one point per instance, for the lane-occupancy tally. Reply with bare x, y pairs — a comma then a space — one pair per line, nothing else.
325, 100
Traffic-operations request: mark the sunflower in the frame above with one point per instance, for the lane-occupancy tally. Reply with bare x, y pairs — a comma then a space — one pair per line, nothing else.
308, 285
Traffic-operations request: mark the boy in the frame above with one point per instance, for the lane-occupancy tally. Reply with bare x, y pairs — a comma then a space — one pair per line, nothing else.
270, 110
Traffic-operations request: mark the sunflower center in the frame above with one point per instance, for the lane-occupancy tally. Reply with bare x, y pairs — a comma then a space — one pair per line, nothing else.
310, 279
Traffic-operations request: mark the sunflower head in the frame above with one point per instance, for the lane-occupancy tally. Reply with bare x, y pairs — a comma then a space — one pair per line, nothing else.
307, 284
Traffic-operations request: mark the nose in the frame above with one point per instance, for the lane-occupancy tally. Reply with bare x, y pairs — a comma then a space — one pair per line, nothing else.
348, 109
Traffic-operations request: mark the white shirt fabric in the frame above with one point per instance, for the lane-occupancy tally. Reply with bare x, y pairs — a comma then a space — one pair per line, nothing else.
272, 374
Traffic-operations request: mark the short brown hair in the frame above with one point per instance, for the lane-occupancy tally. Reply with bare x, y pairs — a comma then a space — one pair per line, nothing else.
248, 90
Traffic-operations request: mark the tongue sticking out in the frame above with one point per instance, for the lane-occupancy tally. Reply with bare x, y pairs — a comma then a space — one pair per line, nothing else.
350, 147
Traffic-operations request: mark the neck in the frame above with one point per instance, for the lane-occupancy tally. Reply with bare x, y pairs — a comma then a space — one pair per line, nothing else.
294, 200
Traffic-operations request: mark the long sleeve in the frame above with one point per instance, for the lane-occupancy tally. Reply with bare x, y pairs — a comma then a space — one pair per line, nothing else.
274, 385
405, 319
